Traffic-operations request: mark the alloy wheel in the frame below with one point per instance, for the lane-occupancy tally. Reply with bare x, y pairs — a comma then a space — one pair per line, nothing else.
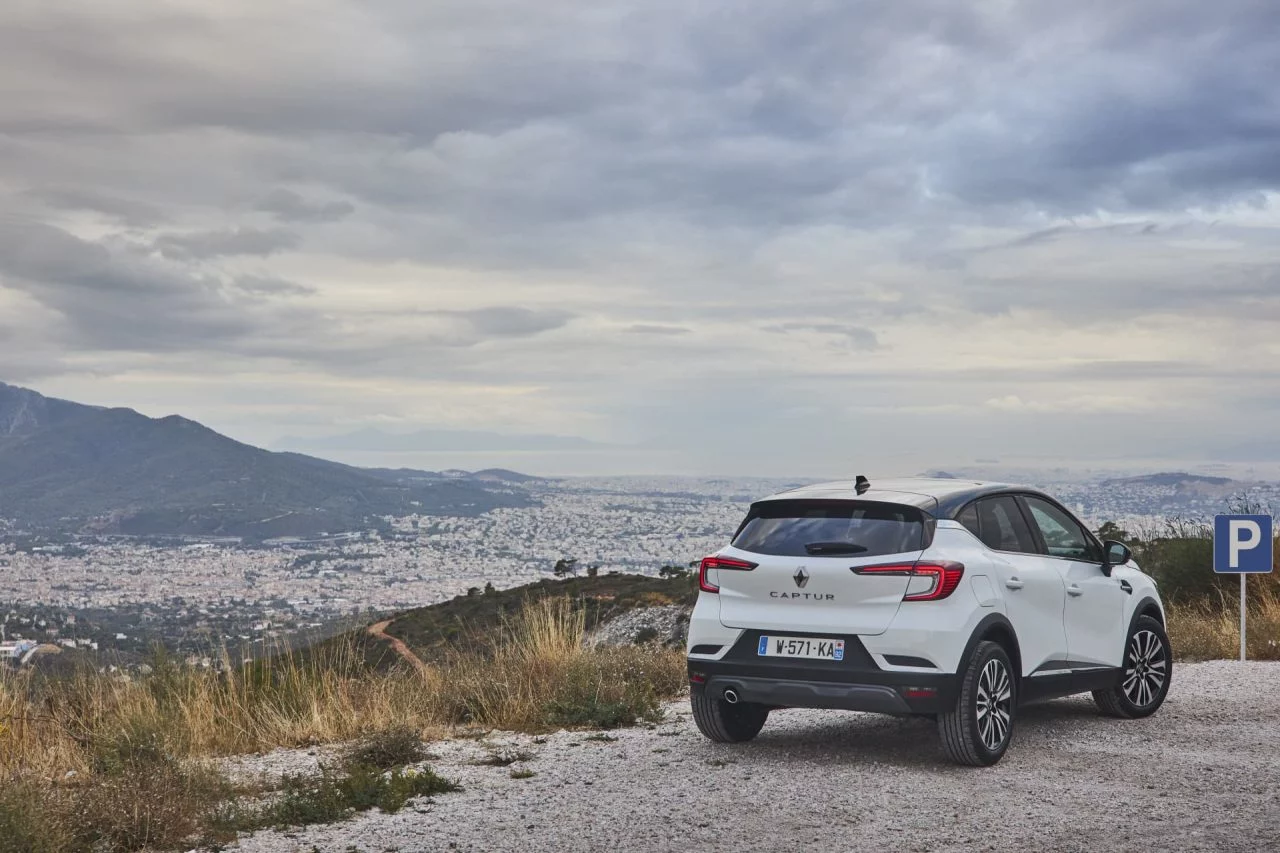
1145, 668
995, 698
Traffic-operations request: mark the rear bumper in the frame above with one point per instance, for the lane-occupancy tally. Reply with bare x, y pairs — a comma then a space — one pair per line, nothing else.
811, 694
855, 684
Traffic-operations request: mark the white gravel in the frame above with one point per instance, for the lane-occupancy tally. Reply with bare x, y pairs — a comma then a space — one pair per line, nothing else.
1202, 774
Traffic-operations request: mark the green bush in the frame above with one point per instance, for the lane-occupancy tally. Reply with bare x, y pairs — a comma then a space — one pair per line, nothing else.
333, 796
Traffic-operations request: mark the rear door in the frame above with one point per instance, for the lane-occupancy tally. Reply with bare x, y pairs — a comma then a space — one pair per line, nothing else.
1033, 590
805, 552
1094, 612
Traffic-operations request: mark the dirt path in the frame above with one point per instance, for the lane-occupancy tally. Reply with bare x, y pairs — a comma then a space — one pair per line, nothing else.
379, 630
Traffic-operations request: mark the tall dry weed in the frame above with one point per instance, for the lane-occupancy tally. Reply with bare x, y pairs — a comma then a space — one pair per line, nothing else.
538, 675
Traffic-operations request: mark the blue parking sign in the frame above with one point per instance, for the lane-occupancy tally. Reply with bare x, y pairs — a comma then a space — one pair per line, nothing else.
1242, 544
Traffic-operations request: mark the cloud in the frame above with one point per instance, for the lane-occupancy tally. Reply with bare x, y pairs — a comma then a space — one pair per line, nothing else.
856, 337
266, 286
289, 206
656, 329
123, 210
903, 206
510, 322
1014, 404
202, 245
115, 300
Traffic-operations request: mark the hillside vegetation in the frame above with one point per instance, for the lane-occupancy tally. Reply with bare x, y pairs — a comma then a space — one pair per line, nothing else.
475, 622
96, 762
1203, 608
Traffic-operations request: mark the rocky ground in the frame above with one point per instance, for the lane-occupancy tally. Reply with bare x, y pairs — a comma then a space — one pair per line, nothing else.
1202, 774
667, 624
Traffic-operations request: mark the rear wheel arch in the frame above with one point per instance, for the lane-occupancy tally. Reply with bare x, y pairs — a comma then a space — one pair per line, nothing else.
997, 628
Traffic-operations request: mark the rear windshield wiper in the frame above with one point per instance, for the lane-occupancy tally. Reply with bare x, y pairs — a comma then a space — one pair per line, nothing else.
833, 548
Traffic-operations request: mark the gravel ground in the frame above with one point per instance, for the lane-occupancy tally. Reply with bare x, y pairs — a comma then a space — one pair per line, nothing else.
1202, 774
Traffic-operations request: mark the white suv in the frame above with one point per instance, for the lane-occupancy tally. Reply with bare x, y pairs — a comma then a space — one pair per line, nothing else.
954, 599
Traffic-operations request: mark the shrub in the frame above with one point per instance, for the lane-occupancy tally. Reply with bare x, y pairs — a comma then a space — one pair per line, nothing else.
136, 744
146, 805
30, 822
504, 757
388, 748
331, 796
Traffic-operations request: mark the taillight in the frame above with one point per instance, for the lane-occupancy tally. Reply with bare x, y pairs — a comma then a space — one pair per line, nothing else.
719, 563
946, 577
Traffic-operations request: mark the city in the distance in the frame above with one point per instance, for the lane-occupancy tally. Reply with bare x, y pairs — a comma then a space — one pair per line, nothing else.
210, 543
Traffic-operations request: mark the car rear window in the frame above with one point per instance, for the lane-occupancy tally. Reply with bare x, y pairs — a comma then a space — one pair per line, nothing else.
831, 528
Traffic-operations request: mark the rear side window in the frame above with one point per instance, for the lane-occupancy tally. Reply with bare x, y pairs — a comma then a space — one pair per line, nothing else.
1002, 527
831, 529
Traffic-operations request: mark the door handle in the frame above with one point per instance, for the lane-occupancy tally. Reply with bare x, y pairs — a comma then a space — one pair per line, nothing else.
1125, 586
1013, 583
1075, 590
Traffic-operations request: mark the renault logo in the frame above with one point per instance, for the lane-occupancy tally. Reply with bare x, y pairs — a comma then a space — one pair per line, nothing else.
801, 576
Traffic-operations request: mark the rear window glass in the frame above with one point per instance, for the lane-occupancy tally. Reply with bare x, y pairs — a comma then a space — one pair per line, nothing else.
831, 529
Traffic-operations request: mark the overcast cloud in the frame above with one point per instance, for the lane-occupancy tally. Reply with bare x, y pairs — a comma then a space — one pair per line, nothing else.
737, 237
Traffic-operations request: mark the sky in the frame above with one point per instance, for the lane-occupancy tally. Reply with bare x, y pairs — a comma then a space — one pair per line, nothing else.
726, 237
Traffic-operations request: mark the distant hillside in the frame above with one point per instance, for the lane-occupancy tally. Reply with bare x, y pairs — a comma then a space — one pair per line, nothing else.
502, 475
23, 412
68, 466
1170, 478
471, 622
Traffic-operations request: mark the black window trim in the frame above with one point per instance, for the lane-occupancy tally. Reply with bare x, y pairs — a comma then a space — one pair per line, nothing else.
1031, 527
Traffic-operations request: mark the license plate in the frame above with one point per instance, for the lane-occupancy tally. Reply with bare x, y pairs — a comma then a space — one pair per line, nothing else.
801, 647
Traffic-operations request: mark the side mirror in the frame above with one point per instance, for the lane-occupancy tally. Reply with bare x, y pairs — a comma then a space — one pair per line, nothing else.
1117, 554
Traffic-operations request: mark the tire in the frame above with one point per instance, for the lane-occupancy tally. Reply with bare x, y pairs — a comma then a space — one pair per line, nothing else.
1148, 670
725, 723
978, 730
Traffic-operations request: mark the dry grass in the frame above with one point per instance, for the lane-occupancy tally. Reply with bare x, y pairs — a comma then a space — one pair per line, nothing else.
106, 763
1205, 631
538, 677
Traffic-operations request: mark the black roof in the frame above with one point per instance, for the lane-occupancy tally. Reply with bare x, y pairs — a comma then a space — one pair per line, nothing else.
941, 498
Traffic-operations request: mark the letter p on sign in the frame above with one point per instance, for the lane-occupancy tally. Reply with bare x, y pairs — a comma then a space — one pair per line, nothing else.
1242, 544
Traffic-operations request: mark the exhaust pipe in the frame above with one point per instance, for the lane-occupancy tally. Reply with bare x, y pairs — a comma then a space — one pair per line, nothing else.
731, 696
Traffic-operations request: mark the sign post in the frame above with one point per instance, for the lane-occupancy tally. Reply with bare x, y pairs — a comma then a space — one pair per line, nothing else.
1242, 545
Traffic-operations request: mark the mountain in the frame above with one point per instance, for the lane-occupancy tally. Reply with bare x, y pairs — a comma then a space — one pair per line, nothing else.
1170, 478
67, 466
502, 475
23, 412
434, 440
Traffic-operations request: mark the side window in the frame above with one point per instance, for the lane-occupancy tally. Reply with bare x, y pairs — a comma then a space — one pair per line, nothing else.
969, 518
1063, 537
1002, 526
